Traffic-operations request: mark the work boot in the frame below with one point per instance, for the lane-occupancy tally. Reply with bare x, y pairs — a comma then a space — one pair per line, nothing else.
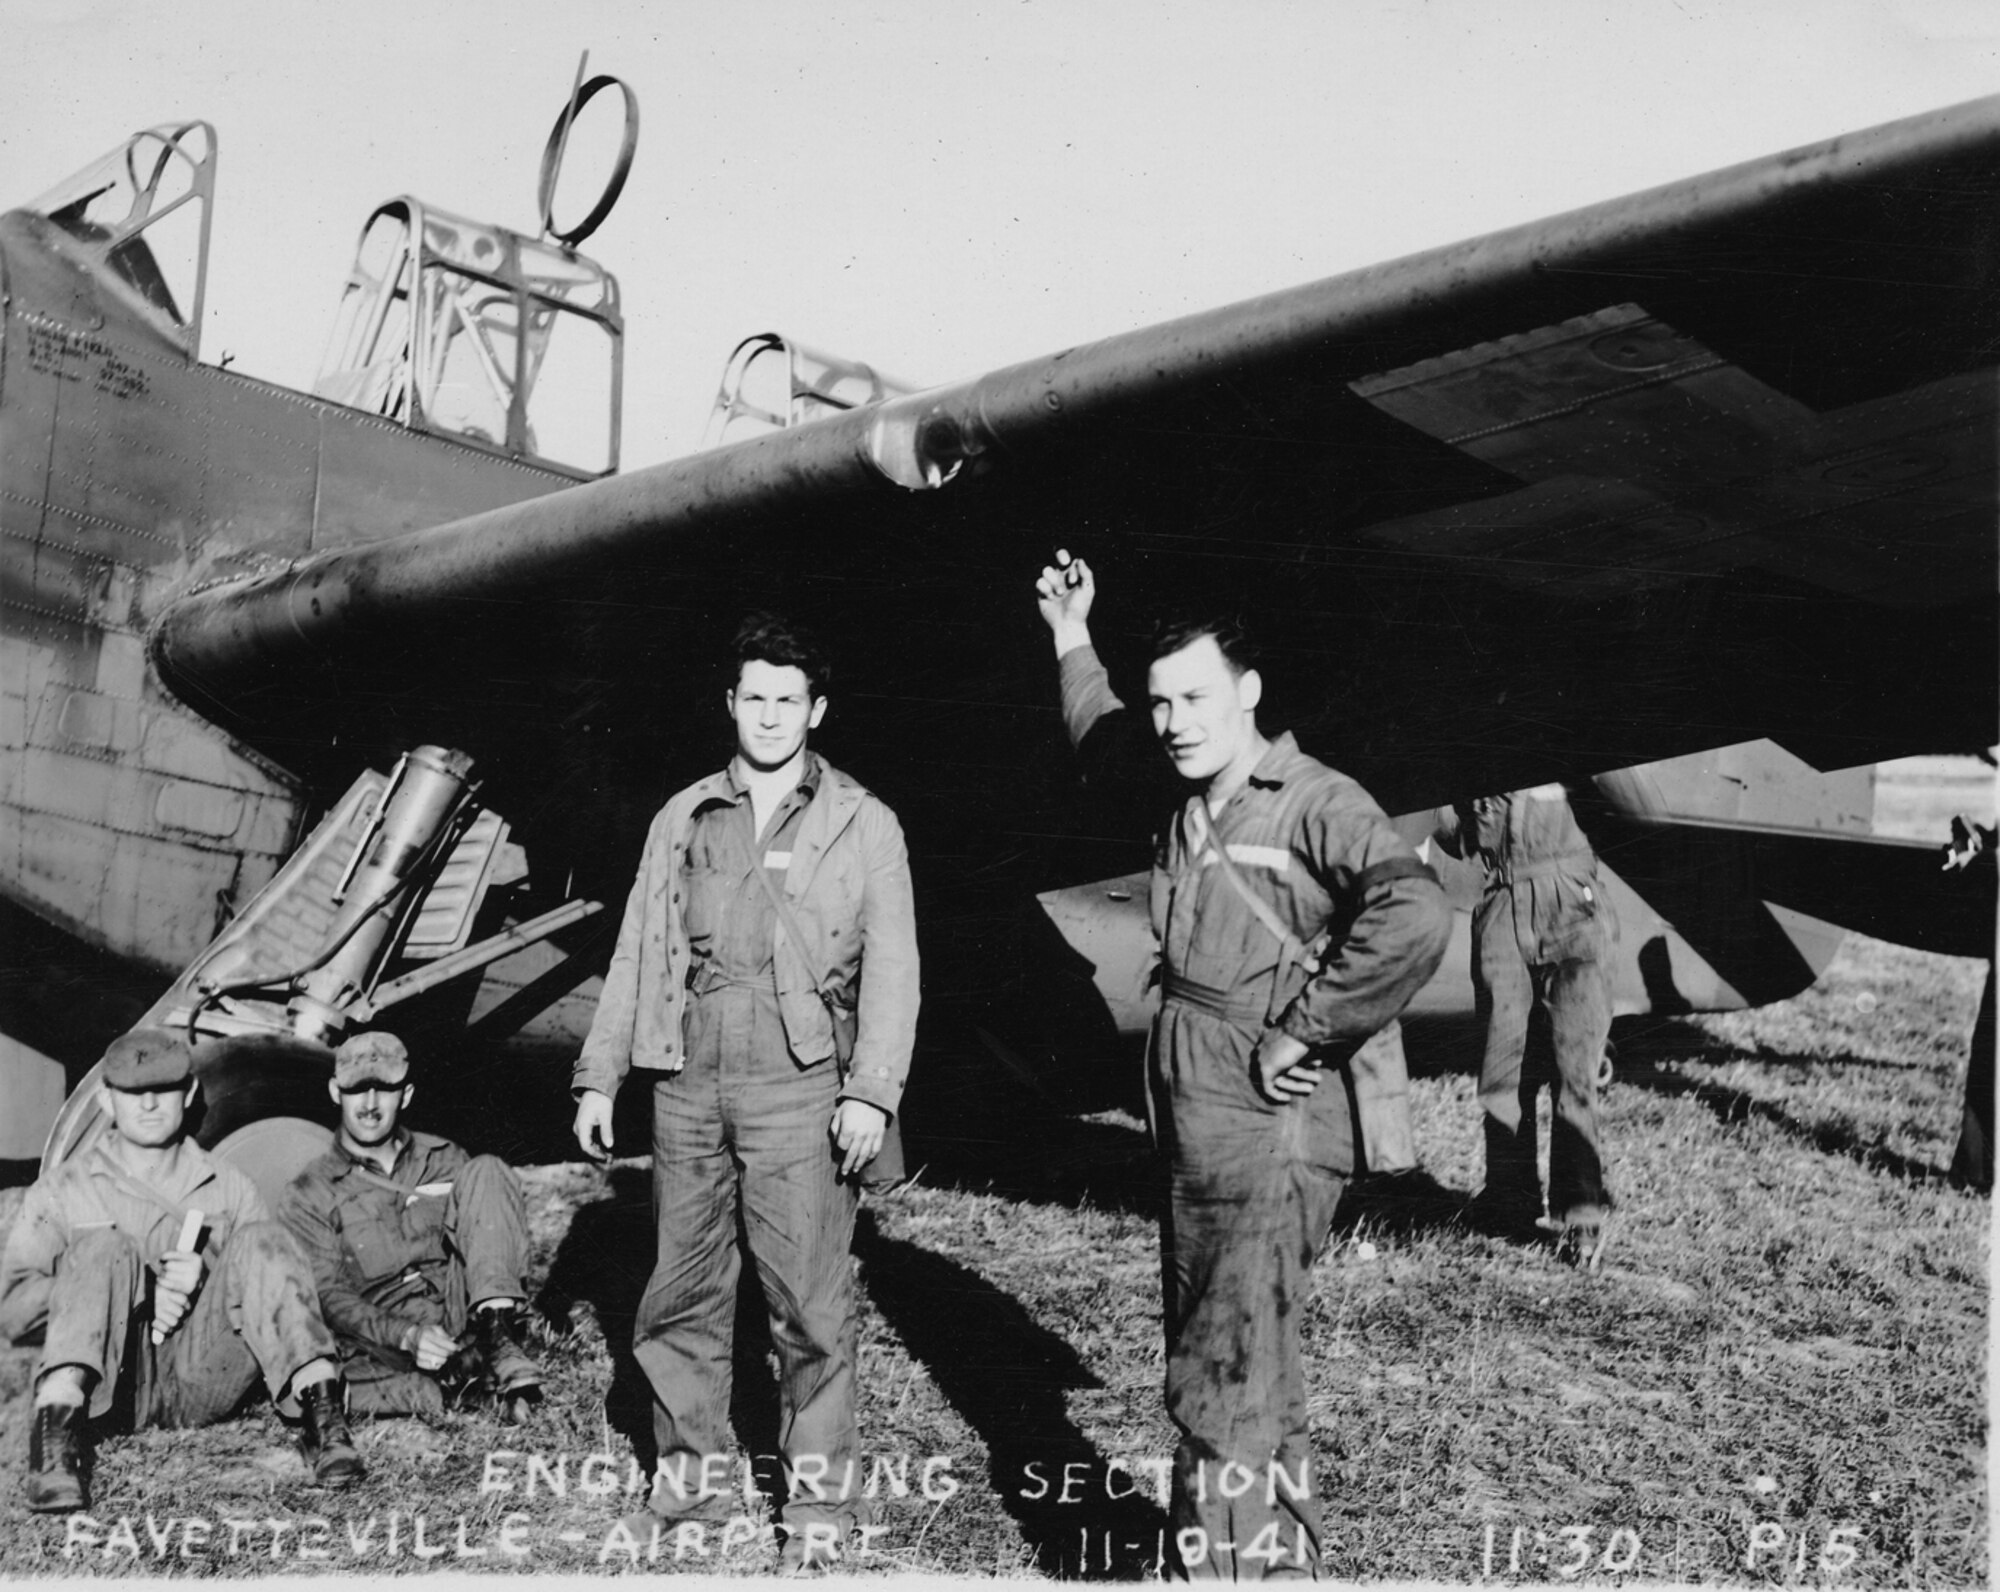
55, 1460
1581, 1244
517, 1380
326, 1443
465, 1375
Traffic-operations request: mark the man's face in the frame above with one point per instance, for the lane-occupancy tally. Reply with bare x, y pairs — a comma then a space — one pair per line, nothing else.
149, 1117
368, 1114
1203, 711
773, 712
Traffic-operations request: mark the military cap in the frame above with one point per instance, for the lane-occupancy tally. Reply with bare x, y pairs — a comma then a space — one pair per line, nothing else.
370, 1058
148, 1058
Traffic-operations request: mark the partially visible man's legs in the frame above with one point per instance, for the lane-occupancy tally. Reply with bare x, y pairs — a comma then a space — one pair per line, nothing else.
1579, 1001
489, 1229
1249, 1213
1972, 1161
799, 1218
97, 1290
256, 1310
488, 1216
257, 1313
682, 1336
1504, 997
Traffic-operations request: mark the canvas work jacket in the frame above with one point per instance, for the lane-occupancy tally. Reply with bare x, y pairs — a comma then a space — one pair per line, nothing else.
1316, 848
376, 1242
848, 886
1540, 873
93, 1190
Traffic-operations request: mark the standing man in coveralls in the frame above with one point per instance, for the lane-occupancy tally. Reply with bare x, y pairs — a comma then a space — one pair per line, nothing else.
770, 929
1255, 1122
100, 1267
1540, 934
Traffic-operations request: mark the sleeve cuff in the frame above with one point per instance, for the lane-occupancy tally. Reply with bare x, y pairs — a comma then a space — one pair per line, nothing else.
1291, 1020
876, 1090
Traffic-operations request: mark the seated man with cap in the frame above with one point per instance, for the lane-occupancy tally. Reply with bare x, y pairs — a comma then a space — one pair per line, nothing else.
151, 1269
413, 1242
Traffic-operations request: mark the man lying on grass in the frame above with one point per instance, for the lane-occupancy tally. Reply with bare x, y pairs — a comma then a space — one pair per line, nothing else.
148, 1268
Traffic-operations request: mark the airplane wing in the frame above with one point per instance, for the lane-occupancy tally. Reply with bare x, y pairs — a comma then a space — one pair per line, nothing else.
1708, 463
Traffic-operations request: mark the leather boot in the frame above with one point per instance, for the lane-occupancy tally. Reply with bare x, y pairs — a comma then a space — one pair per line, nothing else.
55, 1460
497, 1332
327, 1444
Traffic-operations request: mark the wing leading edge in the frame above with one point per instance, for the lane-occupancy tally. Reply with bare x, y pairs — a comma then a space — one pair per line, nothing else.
1784, 364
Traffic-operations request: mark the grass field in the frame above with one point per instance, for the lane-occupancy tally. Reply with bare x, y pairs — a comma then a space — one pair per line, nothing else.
1780, 1375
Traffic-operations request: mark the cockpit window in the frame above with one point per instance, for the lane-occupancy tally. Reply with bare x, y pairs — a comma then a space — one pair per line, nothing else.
459, 327
144, 209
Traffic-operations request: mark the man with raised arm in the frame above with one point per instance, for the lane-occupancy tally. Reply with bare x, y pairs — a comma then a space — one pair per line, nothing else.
1294, 925
765, 984
146, 1264
417, 1248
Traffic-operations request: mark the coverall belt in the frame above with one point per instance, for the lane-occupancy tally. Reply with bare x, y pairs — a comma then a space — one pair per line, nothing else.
1231, 1005
706, 976
1505, 873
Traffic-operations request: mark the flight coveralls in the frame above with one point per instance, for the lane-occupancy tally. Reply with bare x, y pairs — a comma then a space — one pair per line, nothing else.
1540, 934
76, 1272
1252, 1186
414, 1248
741, 1108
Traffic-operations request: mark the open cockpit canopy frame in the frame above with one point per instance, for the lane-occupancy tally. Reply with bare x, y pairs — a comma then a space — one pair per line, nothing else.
144, 210
468, 330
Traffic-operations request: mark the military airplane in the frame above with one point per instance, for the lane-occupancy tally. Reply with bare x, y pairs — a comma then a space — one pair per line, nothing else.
349, 706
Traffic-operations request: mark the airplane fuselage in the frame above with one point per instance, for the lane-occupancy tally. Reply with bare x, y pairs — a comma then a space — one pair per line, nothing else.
130, 474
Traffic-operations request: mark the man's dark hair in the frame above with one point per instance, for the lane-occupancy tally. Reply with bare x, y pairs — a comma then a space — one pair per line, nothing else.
772, 640
1231, 639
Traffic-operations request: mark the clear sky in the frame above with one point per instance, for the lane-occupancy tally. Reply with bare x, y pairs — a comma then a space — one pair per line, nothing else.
940, 188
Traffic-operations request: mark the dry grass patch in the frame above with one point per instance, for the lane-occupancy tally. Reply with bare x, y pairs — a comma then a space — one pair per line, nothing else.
1789, 1339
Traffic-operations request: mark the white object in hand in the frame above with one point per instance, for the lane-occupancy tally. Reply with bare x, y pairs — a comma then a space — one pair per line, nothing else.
190, 1231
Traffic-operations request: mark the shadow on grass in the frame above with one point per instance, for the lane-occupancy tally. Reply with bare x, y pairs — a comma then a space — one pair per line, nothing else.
998, 1368
1408, 1205
1042, 1156
604, 1261
1646, 1056
1028, 1149
1006, 1375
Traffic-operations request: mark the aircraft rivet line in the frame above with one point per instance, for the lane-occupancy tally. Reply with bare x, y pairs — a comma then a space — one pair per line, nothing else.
79, 618
103, 523
134, 570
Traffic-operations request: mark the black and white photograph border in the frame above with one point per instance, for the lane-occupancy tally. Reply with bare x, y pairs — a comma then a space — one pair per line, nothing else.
1678, 497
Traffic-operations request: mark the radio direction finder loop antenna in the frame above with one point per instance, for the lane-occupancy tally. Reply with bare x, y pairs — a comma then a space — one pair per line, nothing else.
552, 157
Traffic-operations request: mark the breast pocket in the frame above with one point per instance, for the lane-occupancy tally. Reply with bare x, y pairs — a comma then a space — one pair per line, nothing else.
424, 1219
374, 1240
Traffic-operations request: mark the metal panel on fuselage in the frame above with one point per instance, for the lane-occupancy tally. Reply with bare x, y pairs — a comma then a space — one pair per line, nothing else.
127, 474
